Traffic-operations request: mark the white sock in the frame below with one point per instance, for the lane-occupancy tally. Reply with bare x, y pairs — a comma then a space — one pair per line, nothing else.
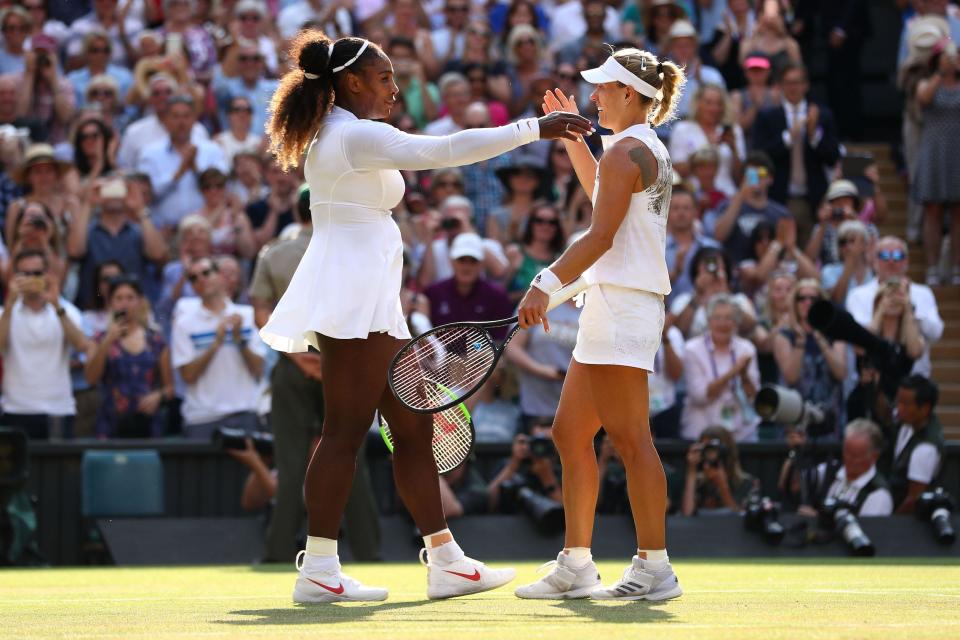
444, 553
654, 557
578, 557
317, 546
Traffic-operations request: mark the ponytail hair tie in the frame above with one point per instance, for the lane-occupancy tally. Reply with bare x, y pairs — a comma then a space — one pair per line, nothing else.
659, 68
309, 76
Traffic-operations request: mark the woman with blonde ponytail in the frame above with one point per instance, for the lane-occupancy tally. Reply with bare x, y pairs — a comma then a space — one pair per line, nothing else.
344, 298
622, 257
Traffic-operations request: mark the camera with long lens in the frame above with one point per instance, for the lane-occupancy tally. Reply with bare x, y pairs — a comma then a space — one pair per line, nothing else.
888, 357
712, 265
839, 517
545, 513
713, 454
937, 507
786, 406
542, 447
762, 516
226, 438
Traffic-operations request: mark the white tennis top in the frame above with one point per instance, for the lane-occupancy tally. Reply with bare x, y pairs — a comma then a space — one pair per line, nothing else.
347, 284
637, 259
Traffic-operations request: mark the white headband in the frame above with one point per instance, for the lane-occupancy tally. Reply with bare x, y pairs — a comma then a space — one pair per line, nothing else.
349, 62
613, 71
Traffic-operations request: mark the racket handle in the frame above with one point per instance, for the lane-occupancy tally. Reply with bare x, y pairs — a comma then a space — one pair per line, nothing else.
566, 292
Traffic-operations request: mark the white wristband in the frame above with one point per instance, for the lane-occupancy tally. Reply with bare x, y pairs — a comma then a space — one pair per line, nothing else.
529, 130
547, 281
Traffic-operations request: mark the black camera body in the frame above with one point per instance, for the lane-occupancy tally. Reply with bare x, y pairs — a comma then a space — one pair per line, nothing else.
542, 447
837, 213
840, 517
936, 507
545, 513
226, 438
712, 265
762, 515
713, 454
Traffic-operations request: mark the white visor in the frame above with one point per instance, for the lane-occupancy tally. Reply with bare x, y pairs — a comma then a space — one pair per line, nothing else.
613, 71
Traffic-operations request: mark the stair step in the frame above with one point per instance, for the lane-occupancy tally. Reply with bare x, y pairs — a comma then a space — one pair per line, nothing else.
950, 419
945, 369
946, 349
949, 393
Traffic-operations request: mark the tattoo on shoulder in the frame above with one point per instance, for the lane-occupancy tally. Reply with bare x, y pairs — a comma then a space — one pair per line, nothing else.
644, 158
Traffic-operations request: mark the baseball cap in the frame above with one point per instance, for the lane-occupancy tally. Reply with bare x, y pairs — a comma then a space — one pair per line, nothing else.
756, 62
467, 245
682, 29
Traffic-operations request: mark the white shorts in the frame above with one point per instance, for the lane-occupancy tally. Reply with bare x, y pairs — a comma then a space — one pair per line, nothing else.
619, 326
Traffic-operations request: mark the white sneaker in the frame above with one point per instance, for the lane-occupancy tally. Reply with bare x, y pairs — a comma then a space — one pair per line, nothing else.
462, 577
639, 582
332, 586
563, 582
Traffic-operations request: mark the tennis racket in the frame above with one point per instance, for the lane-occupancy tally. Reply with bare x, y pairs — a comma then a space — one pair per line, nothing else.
446, 365
453, 437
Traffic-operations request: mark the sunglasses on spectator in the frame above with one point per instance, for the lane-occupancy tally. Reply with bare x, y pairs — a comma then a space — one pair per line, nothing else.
845, 241
98, 50
457, 8
213, 185
193, 277
22, 28
88, 135
479, 32
241, 110
34, 7
891, 256
806, 298
161, 92
32, 274
524, 41
448, 183
249, 58
101, 93
250, 17
542, 220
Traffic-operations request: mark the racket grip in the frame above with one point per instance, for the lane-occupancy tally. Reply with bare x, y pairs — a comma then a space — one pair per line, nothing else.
566, 292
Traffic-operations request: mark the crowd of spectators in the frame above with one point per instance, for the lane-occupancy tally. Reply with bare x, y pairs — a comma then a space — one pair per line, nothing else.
138, 198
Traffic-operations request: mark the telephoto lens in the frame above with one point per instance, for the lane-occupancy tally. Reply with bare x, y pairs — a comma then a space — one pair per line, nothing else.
847, 526
762, 516
226, 438
937, 507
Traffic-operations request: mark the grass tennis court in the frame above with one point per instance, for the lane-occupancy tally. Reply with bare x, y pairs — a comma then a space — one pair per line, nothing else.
723, 599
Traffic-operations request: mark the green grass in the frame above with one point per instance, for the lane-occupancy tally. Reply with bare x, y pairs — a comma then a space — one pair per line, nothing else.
724, 599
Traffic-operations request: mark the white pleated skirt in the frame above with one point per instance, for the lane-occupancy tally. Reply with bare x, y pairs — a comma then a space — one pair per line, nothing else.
347, 284
619, 326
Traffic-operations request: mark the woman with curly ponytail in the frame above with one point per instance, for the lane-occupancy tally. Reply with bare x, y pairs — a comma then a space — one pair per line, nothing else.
622, 257
344, 298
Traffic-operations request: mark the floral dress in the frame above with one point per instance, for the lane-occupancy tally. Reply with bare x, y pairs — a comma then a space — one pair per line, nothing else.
127, 377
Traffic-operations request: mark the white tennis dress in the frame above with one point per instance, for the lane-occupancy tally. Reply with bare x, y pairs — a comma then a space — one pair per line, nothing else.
622, 318
347, 284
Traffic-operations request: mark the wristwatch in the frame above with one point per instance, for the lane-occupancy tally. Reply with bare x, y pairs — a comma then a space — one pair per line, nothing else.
61, 311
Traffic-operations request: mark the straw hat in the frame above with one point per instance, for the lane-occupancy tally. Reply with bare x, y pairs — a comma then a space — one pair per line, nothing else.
40, 153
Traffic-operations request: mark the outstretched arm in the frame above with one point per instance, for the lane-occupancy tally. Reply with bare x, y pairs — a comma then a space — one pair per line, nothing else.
374, 145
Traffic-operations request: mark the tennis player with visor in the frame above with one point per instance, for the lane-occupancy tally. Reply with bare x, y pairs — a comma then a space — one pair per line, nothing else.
344, 297
621, 257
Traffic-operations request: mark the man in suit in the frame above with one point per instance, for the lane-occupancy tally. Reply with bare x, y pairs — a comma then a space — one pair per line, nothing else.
846, 24
801, 139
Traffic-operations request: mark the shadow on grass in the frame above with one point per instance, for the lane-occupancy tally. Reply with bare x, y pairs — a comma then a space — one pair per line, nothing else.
633, 612
314, 614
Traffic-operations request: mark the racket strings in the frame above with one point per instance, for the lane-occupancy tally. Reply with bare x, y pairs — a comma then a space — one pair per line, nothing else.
457, 359
452, 439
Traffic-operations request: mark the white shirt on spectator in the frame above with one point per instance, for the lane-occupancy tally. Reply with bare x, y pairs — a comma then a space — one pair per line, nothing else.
860, 305
90, 23
568, 25
699, 322
292, 18
444, 39
700, 368
226, 386
36, 365
663, 390
144, 131
924, 459
231, 146
878, 503
174, 199
687, 137
442, 127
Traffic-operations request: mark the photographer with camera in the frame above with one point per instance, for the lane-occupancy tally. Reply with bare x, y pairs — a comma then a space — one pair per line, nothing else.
710, 271
44, 92
131, 362
891, 265
854, 479
918, 448
529, 482
808, 361
840, 205
714, 479
722, 376
37, 329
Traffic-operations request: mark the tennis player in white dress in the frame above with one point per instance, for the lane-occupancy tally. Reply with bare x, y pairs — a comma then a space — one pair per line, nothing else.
622, 258
344, 298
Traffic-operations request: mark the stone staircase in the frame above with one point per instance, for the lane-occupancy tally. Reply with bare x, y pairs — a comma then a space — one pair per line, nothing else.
945, 353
